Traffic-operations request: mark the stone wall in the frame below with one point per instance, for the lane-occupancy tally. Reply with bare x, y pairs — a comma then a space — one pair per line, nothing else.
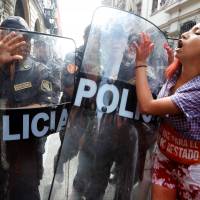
32, 12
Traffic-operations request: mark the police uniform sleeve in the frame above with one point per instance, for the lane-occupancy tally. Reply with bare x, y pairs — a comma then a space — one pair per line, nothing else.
67, 78
55, 78
49, 88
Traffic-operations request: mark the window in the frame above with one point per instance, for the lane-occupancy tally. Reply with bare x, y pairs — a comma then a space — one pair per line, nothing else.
154, 5
19, 9
139, 8
162, 3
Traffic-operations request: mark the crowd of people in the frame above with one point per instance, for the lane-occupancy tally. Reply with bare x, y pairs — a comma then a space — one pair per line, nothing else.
26, 82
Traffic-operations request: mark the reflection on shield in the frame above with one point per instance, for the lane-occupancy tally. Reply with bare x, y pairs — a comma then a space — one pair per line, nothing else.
35, 101
107, 147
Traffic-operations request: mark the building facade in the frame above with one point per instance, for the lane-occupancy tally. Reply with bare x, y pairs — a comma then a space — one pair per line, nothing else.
127, 5
171, 16
107, 3
41, 15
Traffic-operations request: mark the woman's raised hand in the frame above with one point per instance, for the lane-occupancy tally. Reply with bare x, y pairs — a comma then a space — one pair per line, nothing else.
170, 53
143, 48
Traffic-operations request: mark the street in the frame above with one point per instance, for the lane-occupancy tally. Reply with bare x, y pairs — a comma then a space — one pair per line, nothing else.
62, 190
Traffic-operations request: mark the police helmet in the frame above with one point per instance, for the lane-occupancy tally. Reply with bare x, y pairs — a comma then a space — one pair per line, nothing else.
15, 22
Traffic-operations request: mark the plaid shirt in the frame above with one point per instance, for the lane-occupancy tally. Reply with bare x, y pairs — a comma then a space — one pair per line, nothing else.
187, 98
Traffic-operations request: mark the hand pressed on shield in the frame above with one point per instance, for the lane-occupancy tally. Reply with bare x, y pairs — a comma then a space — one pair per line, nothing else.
8, 45
170, 53
71, 68
143, 49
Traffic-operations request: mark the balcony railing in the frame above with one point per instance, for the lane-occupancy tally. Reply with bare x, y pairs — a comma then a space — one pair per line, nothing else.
167, 3
49, 17
40, 4
106, 2
48, 12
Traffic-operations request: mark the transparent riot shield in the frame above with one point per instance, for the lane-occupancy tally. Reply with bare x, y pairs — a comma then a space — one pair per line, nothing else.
37, 73
107, 148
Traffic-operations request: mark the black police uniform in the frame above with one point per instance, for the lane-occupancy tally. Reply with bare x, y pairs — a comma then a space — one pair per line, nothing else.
30, 85
68, 79
122, 144
23, 84
70, 142
80, 128
3, 170
54, 66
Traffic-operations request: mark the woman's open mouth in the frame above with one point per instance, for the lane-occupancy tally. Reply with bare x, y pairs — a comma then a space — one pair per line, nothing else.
180, 44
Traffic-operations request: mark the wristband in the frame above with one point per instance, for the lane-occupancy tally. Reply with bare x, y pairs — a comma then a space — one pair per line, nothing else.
138, 66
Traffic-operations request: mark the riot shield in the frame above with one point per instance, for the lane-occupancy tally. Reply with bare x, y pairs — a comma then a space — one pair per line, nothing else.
35, 100
107, 148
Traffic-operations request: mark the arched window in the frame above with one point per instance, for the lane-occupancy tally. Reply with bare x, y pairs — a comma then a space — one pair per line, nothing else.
19, 9
154, 6
22, 9
37, 26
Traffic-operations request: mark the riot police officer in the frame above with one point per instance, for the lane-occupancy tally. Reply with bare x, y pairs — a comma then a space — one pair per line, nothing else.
70, 143
117, 141
25, 83
8, 44
45, 53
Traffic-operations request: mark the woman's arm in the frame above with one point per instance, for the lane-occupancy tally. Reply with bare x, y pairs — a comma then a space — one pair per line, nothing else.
147, 104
